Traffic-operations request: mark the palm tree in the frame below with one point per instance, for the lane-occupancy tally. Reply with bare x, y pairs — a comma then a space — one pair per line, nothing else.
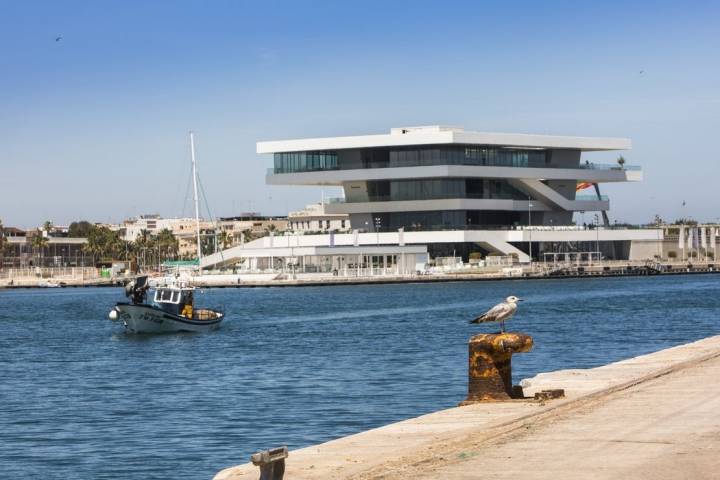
225, 239
247, 235
39, 242
47, 226
167, 243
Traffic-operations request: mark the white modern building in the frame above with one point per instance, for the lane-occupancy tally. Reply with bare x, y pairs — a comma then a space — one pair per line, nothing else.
458, 192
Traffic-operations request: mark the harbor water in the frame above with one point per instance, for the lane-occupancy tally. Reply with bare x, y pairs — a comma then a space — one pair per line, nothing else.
292, 366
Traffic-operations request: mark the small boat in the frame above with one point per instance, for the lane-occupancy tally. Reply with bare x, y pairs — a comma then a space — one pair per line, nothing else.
171, 310
48, 284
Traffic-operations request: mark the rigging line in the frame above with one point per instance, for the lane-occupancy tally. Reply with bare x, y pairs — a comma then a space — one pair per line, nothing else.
207, 207
187, 194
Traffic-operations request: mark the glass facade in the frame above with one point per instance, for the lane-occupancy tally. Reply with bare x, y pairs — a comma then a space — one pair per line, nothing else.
442, 188
471, 155
408, 157
305, 161
447, 220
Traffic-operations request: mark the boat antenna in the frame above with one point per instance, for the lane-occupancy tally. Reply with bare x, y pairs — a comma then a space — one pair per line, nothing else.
195, 197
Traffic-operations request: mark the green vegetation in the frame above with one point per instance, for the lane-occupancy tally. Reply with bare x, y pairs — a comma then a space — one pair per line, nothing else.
39, 243
225, 239
105, 245
80, 229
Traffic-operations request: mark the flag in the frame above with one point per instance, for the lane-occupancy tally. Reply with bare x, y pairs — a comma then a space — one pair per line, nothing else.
703, 239
583, 186
401, 236
356, 240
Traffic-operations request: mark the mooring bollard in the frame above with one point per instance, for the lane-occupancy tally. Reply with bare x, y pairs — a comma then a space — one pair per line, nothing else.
271, 463
489, 369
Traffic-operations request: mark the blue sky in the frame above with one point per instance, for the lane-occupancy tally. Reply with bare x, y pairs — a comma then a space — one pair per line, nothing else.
95, 126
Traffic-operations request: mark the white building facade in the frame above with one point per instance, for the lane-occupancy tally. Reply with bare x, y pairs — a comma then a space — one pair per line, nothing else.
466, 191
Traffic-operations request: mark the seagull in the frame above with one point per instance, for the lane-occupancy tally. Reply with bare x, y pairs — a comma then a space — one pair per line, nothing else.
57, 39
500, 312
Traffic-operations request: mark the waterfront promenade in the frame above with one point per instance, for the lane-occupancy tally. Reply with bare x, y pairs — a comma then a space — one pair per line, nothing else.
652, 416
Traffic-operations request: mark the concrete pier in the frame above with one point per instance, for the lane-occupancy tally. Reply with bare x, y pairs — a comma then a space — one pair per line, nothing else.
652, 416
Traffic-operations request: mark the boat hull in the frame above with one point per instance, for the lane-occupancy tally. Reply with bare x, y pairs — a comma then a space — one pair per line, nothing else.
141, 318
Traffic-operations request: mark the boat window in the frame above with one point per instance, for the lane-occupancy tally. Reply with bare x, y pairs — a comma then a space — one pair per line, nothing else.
165, 296
175, 297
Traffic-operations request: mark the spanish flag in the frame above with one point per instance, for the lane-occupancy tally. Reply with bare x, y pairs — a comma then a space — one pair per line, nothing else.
583, 186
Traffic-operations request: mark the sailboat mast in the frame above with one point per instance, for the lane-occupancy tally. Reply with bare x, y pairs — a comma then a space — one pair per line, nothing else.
195, 196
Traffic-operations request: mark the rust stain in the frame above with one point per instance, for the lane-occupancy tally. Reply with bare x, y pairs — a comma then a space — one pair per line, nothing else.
489, 365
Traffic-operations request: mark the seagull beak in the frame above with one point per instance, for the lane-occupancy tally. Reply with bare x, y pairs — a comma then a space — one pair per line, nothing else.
520, 299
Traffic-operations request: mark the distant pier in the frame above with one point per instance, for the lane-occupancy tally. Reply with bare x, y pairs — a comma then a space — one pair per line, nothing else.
652, 416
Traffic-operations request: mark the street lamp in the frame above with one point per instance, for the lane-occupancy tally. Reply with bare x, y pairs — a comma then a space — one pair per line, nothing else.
378, 223
530, 205
597, 235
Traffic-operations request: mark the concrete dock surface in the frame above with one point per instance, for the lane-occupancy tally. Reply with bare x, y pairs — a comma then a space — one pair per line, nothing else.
653, 416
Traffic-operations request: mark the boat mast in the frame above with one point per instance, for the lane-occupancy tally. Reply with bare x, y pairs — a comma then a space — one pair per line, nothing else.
195, 197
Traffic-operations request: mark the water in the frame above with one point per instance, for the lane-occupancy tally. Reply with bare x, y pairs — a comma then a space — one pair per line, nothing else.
81, 399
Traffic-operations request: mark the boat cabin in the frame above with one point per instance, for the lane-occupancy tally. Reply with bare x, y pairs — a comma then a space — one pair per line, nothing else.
174, 300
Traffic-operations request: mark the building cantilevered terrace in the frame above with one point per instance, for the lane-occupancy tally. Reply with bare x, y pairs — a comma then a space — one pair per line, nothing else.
458, 192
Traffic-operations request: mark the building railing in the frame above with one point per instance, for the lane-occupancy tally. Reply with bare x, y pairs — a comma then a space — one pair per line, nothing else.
592, 198
388, 198
582, 166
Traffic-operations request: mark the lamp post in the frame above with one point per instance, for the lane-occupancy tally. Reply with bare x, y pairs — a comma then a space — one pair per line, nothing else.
597, 235
378, 223
530, 205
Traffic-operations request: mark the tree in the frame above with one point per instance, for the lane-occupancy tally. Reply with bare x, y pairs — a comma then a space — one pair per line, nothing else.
685, 221
207, 242
167, 244
621, 162
39, 242
246, 235
47, 227
103, 243
79, 229
225, 239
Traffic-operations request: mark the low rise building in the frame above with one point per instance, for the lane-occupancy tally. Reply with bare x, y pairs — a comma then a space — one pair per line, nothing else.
23, 251
315, 218
249, 225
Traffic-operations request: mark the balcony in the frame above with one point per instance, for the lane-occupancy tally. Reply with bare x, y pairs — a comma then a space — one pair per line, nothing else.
375, 165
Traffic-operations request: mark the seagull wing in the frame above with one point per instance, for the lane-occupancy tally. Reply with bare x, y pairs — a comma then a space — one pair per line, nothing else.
495, 314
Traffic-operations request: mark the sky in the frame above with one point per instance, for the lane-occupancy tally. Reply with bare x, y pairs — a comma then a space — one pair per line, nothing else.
95, 125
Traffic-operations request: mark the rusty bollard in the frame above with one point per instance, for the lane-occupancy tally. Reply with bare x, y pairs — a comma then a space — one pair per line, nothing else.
271, 463
489, 369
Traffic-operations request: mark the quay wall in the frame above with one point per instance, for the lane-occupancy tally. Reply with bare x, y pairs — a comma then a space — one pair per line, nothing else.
422, 447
